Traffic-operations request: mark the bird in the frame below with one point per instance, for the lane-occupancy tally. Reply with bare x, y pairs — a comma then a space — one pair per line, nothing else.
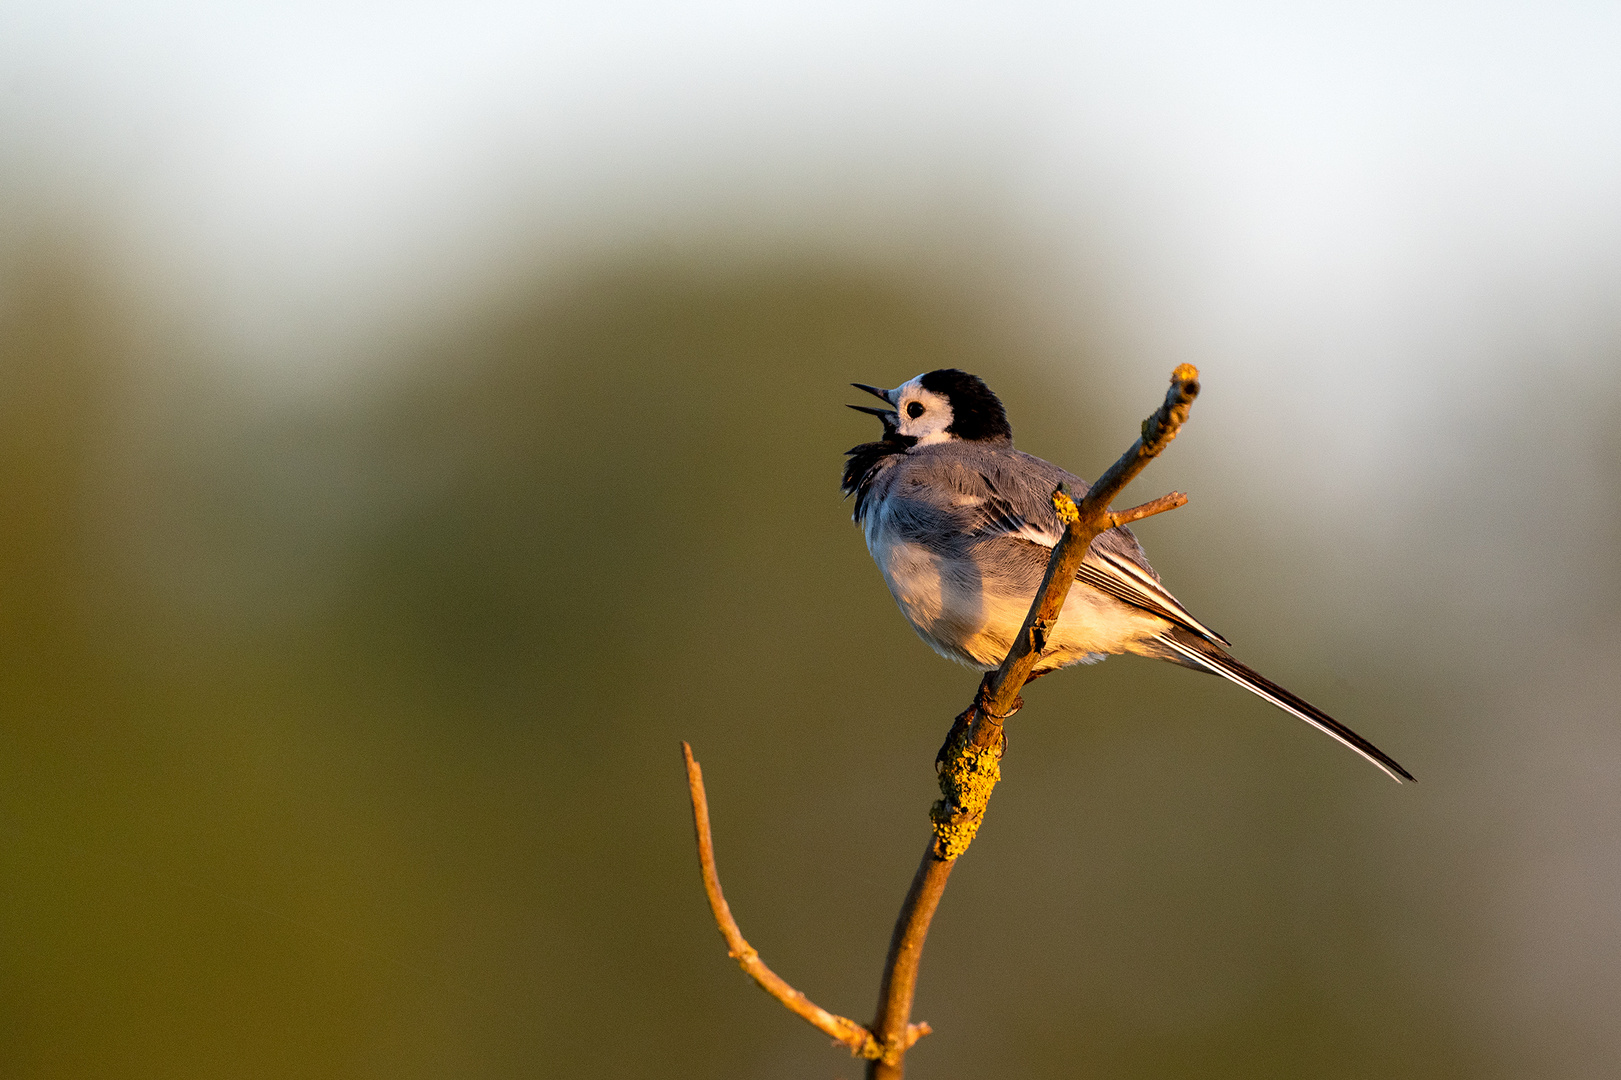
962, 526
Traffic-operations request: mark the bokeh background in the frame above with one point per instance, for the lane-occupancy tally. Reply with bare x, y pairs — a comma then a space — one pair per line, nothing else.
415, 419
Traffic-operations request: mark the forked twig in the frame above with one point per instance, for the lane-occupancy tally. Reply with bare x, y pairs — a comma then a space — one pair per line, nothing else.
969, 765
840, 1028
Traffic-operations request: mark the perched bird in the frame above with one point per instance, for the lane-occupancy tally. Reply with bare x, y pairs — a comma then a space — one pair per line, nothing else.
962, 526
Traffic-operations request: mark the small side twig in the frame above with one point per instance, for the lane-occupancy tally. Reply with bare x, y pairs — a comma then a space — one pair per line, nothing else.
840, 1028
1147, 509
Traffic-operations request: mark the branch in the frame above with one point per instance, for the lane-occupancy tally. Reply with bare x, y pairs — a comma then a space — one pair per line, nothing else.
970, 762
841, 1029
1147, 509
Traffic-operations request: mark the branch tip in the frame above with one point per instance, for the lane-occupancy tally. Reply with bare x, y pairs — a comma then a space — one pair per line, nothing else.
1148, 509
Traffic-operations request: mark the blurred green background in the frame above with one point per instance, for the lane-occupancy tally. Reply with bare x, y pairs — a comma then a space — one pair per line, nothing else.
372, 530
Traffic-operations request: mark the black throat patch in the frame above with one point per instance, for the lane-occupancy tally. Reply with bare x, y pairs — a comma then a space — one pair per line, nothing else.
862, 468
976, 413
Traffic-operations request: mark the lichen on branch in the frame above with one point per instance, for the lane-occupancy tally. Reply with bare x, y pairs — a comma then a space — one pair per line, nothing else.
968, 775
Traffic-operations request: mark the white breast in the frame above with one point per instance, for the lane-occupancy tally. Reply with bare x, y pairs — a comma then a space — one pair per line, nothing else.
947, 603
943, 598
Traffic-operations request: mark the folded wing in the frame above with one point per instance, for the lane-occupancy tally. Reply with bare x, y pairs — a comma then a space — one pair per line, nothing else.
1106, 570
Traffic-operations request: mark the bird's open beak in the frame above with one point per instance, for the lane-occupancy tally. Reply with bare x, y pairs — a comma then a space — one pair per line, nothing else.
875, 392
886, 415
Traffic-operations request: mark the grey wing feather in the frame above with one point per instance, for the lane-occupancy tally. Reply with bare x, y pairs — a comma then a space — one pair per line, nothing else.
1015, 500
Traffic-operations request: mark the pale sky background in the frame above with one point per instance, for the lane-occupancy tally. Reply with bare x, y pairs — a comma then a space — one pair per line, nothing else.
1259, 184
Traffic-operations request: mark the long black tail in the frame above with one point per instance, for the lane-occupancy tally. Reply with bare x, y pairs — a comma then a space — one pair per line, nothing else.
1196, 652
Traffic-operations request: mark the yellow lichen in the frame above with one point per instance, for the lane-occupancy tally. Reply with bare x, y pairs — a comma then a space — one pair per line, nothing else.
1068, 512
967, 779
1185, 373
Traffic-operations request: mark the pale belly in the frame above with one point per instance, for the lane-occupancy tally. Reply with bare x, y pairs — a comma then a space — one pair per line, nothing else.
950, 606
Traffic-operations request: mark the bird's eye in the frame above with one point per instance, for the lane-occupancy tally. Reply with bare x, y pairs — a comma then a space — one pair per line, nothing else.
915, 409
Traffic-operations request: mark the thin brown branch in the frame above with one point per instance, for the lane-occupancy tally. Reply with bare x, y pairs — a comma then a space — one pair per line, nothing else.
895, 993
1147, 509
970, 763
841, 1029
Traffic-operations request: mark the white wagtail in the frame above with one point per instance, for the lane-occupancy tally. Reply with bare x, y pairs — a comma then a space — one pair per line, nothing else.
962, 526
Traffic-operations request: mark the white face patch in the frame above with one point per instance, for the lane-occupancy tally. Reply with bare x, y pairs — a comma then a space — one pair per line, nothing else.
924, 415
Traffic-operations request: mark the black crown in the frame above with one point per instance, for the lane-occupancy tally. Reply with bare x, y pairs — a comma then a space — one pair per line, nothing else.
976, 413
